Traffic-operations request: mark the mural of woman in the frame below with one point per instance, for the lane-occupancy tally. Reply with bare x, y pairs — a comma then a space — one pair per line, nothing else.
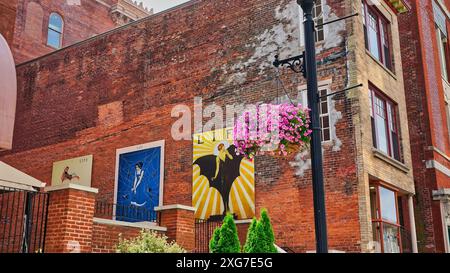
138, 176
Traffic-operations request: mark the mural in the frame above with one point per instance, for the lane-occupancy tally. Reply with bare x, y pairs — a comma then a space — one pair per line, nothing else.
222, 181
76, 170
138, 185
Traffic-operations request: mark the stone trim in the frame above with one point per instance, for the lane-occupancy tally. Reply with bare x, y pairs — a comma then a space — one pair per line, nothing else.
441, 195
67, 186
433, 164
434, 149
177, 206
397, 164
141, 225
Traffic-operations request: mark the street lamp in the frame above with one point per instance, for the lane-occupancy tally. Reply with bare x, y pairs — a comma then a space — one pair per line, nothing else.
316, 142
305, 63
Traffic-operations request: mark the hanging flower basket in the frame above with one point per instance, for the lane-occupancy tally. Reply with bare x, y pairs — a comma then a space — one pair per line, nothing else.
279, 130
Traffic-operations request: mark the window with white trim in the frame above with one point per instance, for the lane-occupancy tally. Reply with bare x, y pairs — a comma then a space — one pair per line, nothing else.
385, 133
324, 107
442, 40
377, 34
318, 19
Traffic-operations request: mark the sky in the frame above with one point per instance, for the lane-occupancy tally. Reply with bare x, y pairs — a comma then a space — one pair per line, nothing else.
160, 5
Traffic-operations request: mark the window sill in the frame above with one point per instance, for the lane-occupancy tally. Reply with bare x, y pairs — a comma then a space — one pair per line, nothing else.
391, 73
397, 164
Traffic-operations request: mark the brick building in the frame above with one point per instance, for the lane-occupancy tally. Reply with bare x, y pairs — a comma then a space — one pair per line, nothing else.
44, 26
117, 91
426, 56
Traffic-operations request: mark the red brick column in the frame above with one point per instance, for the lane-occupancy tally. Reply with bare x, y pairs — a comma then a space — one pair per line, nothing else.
70, 219
180, 223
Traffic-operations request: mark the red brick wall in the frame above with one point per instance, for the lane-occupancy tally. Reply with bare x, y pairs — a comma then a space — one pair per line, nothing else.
80, 22
145, 69
180, 227
70, 221
427, 117
106, 237
8, 15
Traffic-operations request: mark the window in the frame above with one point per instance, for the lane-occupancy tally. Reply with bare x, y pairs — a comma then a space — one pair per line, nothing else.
376, 34
55, 31
442, 40
385, 219
318, 18
325, 115
324, 107
385, 133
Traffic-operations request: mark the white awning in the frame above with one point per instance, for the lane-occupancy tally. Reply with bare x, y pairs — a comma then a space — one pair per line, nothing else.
13, 178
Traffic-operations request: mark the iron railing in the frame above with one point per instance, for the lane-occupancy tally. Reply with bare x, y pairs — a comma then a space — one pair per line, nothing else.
23, 220
126, 213
204, 230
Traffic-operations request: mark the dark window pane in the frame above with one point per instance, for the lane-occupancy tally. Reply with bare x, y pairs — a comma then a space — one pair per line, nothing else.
326, 122
324, 107
395, 144
374, 133
326, 135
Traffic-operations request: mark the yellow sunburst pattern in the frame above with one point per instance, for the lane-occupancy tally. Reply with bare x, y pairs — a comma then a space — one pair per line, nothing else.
207, 200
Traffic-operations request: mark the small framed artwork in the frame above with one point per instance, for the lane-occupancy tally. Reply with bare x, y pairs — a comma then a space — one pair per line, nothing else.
76, 170
139, 182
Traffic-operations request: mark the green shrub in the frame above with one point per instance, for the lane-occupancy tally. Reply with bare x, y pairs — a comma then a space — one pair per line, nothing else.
267, 234
260, 236
214, 241
228, 241
148, 242
251, 237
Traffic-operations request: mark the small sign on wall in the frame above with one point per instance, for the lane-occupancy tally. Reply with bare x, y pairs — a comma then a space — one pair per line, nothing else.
76, 170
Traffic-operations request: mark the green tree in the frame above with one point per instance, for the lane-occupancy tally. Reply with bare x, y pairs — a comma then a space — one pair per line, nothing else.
214, 241
251, 237
267, 233
229, 240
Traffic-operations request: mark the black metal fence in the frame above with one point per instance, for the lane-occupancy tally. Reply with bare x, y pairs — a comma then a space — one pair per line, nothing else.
126, 213
204, 230
23, 219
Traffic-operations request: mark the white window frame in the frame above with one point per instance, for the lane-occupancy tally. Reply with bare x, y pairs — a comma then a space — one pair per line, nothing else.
302, 27
303, 95
136, 148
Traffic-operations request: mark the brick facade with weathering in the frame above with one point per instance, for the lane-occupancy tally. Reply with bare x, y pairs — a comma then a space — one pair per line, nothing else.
118, 90
8, 15
82, 19
427, 95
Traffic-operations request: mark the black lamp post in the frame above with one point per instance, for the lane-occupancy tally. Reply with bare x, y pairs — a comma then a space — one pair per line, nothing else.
316, 142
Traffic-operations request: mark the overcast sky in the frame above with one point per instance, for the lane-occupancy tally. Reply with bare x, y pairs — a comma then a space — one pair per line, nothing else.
160, 5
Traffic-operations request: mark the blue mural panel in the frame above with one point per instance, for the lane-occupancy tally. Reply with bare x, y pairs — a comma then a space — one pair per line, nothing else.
138, 185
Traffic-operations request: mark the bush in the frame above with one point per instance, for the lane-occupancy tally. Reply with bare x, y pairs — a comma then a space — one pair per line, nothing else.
267, 233
225, 238
260, 236
251, 237
214, 241
148, 242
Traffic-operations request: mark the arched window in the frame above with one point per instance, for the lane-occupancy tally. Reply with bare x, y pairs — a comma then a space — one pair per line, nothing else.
55, 31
